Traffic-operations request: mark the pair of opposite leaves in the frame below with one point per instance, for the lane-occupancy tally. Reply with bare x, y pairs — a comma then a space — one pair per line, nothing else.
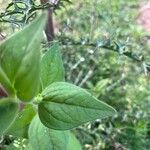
62, 105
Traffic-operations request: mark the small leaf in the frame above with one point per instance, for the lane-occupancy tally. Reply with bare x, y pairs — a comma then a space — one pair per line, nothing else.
73, 143
20, 126
65, 106
52, 69
20, 59
42, 138
8, 112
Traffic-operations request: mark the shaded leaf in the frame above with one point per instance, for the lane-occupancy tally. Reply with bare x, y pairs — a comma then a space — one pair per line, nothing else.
8, 112
19, 127
43, 138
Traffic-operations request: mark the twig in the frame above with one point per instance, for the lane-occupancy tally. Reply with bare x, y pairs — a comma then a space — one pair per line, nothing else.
89, 74
107, 44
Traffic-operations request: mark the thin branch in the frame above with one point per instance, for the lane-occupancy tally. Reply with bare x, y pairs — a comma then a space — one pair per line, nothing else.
29, 9
107, 44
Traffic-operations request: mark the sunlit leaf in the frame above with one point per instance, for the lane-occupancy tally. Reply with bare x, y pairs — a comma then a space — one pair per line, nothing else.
65, 106
20, 59
73, 143
51, 66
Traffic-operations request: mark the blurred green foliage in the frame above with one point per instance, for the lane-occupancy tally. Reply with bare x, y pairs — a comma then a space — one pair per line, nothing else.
112, 77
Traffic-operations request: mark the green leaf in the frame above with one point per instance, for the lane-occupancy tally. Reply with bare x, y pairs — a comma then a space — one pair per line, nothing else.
52, 69
29, 147
6, 83
8, 112
65, 106
43, 138
20, 59
20, 126
73, 143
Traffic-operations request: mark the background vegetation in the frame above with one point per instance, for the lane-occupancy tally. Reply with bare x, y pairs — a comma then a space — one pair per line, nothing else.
82, 28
